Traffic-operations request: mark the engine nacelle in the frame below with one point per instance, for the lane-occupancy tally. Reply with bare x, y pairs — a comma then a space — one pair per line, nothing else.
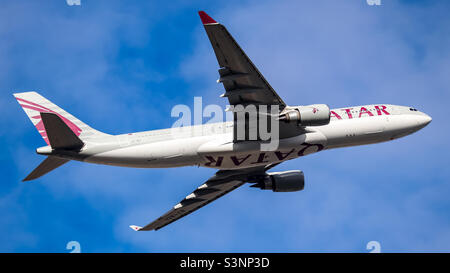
310, 115
287, 181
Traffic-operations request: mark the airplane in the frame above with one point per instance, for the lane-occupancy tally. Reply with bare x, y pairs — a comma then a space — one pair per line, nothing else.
238, 158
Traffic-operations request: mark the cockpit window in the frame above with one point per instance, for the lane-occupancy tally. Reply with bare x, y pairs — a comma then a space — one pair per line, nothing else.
412, 109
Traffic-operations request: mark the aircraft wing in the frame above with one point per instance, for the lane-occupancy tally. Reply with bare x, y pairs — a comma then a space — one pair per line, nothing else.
223, 182
243, 82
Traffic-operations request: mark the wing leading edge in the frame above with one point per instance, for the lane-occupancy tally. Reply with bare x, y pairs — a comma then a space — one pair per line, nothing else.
221, 183
244, 85
243, 82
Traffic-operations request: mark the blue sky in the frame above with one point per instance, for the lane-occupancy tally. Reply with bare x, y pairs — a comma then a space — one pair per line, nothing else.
121, 66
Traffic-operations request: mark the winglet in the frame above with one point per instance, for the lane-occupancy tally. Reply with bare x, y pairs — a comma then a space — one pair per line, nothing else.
206, 19
135, 228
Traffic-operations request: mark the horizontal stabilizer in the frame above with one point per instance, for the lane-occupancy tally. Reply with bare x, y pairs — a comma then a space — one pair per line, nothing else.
59, 134
48, 165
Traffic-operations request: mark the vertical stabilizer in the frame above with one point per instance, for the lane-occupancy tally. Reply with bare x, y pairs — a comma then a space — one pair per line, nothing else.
34, 104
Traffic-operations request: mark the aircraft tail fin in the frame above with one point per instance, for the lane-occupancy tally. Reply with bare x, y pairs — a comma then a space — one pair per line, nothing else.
46, 166
59, 136
34, 104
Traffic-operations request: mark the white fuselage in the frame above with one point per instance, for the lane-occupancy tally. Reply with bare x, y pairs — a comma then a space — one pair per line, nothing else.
211, 145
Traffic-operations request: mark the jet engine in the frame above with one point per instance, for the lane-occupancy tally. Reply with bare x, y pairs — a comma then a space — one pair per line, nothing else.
311, 115
287, 181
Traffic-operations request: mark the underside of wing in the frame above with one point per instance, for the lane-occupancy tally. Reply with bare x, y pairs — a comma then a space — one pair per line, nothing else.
218, 185
245, 86
46, 166
243, 82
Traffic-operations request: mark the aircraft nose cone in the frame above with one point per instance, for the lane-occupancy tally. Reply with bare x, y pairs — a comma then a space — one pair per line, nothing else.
423, 120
